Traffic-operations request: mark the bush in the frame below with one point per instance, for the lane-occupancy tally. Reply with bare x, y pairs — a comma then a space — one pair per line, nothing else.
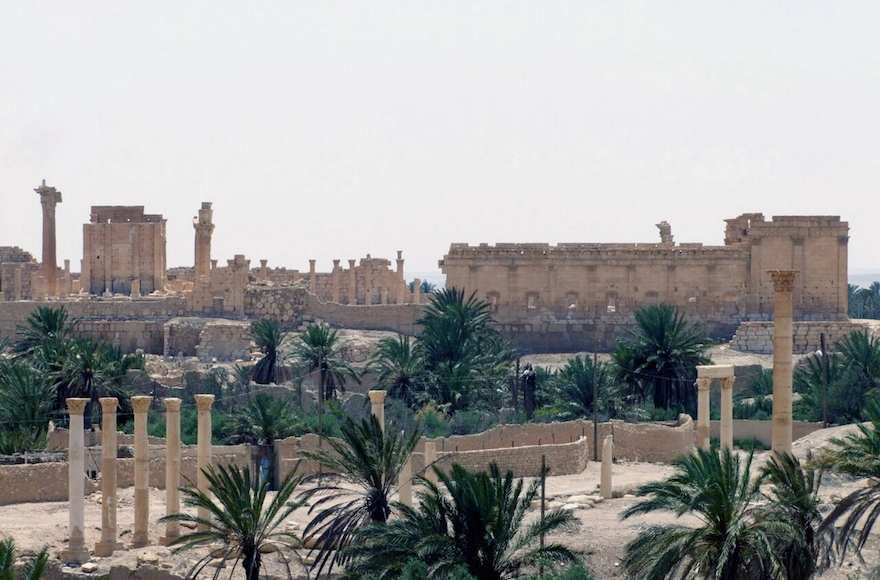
433, 421
470, 422
575, 572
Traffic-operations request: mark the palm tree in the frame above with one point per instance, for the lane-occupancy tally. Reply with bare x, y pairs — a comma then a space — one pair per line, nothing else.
856, 454
861, 354
42, 324
475, 520
575, 386
26, 406
318, 348
367, 459
239, 519
733, 540
400, 367
662, 354
270, 340
265, 418
33, 568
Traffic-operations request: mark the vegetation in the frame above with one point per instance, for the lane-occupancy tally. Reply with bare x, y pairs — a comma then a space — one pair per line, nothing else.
270, 340
658, 359
400, 367
864, 302
319, 349
239, 519
736, 538
475, 521
33, 568
368, 459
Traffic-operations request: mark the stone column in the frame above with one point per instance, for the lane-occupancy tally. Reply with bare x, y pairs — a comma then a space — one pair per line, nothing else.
607, 461
783, 285
49, 198
76, 472
204, 227
430, 459
417, 291
135, 289
405, 483
108, 543
352, 282
313, 278
727, 412
141, 536
334, 290
204, 403
368, 280
703, 385
401, 283
172, 468
377, 401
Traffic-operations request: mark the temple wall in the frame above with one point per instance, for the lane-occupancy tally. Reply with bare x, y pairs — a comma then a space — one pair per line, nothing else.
757, 337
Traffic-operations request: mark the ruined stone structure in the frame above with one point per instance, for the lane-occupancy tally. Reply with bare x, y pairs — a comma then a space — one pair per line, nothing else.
49, 198
18, 274
575, 295
204, 226
123, 251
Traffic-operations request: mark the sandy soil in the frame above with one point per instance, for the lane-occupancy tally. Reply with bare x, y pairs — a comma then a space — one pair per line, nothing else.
601, 534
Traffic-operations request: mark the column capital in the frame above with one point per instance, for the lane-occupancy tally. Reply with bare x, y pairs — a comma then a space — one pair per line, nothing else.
703, 384
727, 382
141, 404
108, 404
377, 397
76, 405
172, 405
204, 402
783, 280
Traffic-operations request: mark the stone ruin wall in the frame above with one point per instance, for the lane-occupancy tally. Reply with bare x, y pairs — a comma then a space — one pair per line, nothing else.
567, 446
576, 296
757, 337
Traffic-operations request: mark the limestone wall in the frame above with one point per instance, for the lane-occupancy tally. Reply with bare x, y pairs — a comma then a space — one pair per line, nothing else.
394, 317
208, 338
757, 337
762, 430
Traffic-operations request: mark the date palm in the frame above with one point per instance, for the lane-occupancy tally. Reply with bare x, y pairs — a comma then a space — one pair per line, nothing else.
270, 340
363, 465
575, 386
42, 324
240, 519
474, 520
319, 349
399, 366
33, 569
662, 355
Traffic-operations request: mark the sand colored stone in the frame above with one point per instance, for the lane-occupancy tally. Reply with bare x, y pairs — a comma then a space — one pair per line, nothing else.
172, 468
377, 406
76, 549
783, 286
204, 403
607, 463
109, 542
141, 405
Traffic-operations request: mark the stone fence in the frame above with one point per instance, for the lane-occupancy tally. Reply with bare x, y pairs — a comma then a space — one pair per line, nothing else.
757, 337
744, 429
48, 481
568, 446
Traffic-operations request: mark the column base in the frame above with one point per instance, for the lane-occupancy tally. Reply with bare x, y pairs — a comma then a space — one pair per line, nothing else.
104, 549
138, 543
77, 555
165, 540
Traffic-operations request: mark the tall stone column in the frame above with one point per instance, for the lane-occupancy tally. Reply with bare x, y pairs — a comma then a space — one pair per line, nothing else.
204, 226
377, 401
264, 270
430, 459
783, 286
405, 483
204, 403
368, 279
313, 278
49, 198
108, 543
703, 385
400, 287
172, 468
141, 537
727, 412
417, 291
334, 291
607, 462
352, 283
76, 473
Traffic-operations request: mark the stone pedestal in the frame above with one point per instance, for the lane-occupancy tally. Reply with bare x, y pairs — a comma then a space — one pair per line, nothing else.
377, 402
727, 412
108, 543
141, 536
204, 403
703, 413
783, 286
430, 459
405, 483
607, 461
172, 468
76, 546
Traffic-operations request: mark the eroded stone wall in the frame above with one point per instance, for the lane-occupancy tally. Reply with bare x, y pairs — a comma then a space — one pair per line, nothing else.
757, 337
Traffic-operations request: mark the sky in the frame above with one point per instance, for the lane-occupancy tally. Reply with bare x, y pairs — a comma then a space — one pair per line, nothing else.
336, 129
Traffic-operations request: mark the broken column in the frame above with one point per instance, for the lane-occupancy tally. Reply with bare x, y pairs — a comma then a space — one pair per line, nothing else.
172, 468
417, 291
141, 537
430, 459
727, 412
607, 460
108, 543
204, 227
76, 472
313, 279
352, 283
401, 283
703, 385
783, 286
405, 483
377, 401
334, 290
204, 403
49, 198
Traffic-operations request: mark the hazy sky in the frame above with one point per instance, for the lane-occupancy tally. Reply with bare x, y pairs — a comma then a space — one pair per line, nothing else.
336, 129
